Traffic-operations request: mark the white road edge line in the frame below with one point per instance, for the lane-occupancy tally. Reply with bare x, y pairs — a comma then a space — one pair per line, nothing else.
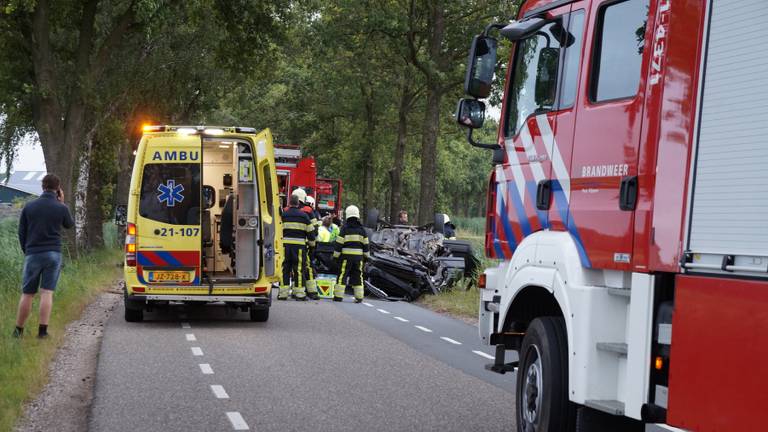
197, 351
482, 354
449, 340
206, 369
367, 304
191, 337
185, 325
237, 421
386, 312
219, 391
400, 319
424, 329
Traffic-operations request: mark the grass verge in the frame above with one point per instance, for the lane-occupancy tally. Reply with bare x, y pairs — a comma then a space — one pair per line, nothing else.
462, 301
24, 363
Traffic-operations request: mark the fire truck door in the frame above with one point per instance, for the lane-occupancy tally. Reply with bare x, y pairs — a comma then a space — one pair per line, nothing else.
607, 132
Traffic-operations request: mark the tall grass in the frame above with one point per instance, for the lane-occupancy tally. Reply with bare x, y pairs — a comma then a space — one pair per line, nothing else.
24, 362
474, 225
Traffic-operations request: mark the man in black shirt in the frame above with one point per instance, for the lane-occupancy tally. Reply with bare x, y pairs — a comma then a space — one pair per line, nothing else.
351, 249
298, 234
40, 239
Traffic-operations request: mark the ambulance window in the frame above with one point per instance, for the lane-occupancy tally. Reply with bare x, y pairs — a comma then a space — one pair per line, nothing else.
170, 193
572, 57
619, 50
534, 77
268, 189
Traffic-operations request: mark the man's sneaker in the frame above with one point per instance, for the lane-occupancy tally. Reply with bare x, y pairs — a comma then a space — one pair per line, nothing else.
313, 296
338, 299
42, 336
18, 332
357, 300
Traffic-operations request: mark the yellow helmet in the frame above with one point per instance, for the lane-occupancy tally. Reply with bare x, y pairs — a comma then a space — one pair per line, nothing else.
352, 211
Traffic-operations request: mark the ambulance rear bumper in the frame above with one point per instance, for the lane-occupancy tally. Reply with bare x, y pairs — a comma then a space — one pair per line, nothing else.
198, 298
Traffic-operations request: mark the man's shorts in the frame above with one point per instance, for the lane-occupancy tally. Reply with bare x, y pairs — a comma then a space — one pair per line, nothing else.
41, 270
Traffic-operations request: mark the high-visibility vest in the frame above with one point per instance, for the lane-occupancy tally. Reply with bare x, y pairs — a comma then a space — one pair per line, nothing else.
324, 235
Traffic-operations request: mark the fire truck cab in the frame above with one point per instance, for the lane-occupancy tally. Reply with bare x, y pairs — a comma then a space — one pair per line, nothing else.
203, 221
627, 207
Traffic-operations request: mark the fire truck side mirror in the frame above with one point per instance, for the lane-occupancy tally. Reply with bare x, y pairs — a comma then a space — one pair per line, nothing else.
481, 65
470, 113
520, 30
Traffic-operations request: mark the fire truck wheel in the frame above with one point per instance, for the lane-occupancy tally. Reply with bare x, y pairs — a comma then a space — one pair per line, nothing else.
259, 315
134, 315
542, 379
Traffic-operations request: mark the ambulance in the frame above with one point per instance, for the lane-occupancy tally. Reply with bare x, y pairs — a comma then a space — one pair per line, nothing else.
203, 221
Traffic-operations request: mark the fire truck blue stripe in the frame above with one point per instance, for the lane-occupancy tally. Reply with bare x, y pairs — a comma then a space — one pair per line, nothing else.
561, 201
525, 226
508, 230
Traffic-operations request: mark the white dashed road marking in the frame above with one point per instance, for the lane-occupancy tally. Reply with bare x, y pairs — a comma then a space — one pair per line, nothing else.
424, 329
205, 368
386, 312
197, 351
367, 304
185, 325
191, 337
237, 421
482, 354
219, 392
401, 319
447, 339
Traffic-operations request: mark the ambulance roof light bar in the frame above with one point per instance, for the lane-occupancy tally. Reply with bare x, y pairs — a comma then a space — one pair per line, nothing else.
206, 130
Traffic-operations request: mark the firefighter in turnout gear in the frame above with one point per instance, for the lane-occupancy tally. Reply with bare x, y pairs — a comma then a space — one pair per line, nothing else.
298, 234
351, 249
309, 272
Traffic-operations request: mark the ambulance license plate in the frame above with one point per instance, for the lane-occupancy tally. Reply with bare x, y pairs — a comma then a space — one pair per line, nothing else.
168, 276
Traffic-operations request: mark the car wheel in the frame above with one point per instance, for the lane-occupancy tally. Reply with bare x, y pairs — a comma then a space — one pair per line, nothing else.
542, 379
259, 315
134, 315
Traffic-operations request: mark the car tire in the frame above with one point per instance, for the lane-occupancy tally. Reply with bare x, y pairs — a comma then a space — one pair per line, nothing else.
134, 315
542, 379
259, 315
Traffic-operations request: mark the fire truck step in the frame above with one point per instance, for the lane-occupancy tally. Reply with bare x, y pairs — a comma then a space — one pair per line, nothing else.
619, 292
614, 347
609, 406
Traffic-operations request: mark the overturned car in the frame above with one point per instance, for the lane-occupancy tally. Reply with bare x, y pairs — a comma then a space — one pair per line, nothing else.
407, 261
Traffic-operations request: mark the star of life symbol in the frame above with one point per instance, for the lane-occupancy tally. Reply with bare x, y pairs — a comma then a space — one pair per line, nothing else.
170, 193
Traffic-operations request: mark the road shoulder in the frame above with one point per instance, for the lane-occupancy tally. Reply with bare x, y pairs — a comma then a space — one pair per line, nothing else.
64, 403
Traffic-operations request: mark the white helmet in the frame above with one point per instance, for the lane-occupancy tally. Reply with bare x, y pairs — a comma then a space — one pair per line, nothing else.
310, 200
299, 192
446, 219
352, 211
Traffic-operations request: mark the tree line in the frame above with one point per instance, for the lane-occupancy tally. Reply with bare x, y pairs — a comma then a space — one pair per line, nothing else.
367, 87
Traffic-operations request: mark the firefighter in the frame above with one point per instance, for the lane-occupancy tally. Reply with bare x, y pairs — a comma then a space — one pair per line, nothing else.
351, 249
298, 234
449, 229
309, 273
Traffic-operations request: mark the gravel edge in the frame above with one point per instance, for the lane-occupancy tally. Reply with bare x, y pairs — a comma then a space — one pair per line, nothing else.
64, 403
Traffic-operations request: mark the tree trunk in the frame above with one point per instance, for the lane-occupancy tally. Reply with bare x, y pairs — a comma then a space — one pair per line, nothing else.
430, 129
93, 234
396, 173
368, 154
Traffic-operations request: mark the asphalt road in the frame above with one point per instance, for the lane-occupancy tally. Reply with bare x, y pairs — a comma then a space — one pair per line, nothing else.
319, 366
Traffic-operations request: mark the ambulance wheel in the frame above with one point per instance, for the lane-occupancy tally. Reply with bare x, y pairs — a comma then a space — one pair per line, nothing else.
542, 379
259, 315
134, 315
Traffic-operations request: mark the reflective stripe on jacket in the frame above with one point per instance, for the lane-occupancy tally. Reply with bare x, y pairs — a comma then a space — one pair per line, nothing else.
297, 227
352, 240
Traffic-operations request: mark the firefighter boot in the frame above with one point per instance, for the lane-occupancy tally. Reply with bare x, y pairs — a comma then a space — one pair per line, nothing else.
299, 294
338, 292
312, 289
282, 294
358, 293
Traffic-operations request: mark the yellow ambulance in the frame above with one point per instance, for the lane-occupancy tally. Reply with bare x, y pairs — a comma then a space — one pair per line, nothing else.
203, 222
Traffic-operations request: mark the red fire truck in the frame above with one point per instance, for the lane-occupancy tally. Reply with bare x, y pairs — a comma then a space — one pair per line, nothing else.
295, 171
628, 209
